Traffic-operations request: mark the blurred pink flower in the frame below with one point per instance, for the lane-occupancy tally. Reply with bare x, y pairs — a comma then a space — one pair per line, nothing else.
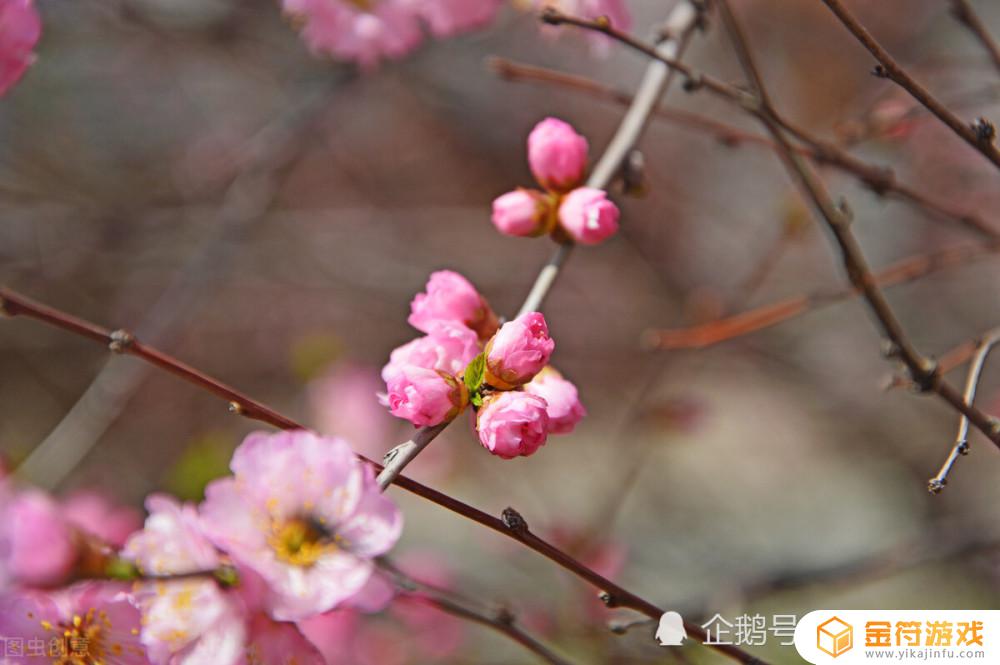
451, 298
95, 513
87, 623
588, 216
279, 643
344, 404
20, 28
519, 350
425, 397
37, 546
306, 515
512, 423
446, 18
522, 212
557, 155
449, 347
615, 10
563, 401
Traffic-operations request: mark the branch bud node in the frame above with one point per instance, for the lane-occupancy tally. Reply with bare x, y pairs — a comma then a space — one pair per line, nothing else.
514, 521
121, 341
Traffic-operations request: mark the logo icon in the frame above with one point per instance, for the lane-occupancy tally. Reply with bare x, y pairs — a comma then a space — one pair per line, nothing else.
671, 632
834, 637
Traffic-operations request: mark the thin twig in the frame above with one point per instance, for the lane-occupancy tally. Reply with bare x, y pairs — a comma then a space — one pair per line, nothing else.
923, 372
963, 11
683, 19
980, 135
511, 525
961, 447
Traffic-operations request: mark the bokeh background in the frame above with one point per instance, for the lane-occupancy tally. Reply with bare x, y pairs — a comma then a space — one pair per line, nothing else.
185, 169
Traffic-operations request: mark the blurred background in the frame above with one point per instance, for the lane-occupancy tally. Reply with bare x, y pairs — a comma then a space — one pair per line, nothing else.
186, 170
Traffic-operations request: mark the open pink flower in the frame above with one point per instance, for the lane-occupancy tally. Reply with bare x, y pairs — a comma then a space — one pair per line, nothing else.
512, 423
37, 545
519, 350
425, 397
588, 216
522, 212
448, 348
304, 514
557, 155
561, 398
87, 623
451, 298
20, 28
96, 514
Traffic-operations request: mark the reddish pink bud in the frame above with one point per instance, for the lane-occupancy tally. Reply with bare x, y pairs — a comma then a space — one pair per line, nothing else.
452, 298
512, 423
588, 216
519, 350
20, 28
523, 212
425, 397
557, 155
564, 407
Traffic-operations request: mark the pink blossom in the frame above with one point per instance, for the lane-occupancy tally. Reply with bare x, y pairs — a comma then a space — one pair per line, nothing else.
363, 32
588, 216
522, 212
557, 155
279, 643
87, 623
519, 350
449, 297
37, 546
20, 28
343, 403
95, 513
448, 348
445, 18
425, 397
563, 401
303, 513
616, 12
512, 423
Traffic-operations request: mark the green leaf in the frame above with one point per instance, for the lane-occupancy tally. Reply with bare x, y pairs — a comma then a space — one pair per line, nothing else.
474, 374
477, 400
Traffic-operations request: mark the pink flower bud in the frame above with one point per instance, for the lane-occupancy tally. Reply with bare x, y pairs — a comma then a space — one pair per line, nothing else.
448, 348
20, 28
451, 298
512, 423
564, 407
588, 216
519, 350
557, 155
523, 212
425, 397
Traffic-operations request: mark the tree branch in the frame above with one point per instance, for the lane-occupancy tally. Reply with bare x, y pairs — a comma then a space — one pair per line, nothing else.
963, 11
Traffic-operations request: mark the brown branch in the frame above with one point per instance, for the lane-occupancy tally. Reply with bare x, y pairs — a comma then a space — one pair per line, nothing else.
923, 372
512, 525
963, 11
980, 135
983, 348
744, 323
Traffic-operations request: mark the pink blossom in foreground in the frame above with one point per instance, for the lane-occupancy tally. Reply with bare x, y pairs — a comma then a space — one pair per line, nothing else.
522, 212
557, 155
588, 216
37, 546
186, 621
519, 350
87, 623
451, 298
303, 513
20, 28
98, 515
448, 348
512, 423
561, 397
425, 397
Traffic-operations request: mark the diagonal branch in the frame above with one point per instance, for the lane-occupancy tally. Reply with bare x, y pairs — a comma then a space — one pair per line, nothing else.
963, 11
511, 525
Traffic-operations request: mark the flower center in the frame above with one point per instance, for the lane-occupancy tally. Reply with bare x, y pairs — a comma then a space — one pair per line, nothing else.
81, 641
299, 541
362, 5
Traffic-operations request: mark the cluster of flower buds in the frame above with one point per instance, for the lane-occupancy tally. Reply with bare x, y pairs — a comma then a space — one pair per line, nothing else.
465, 358
20, 28
557, 155
291, 535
